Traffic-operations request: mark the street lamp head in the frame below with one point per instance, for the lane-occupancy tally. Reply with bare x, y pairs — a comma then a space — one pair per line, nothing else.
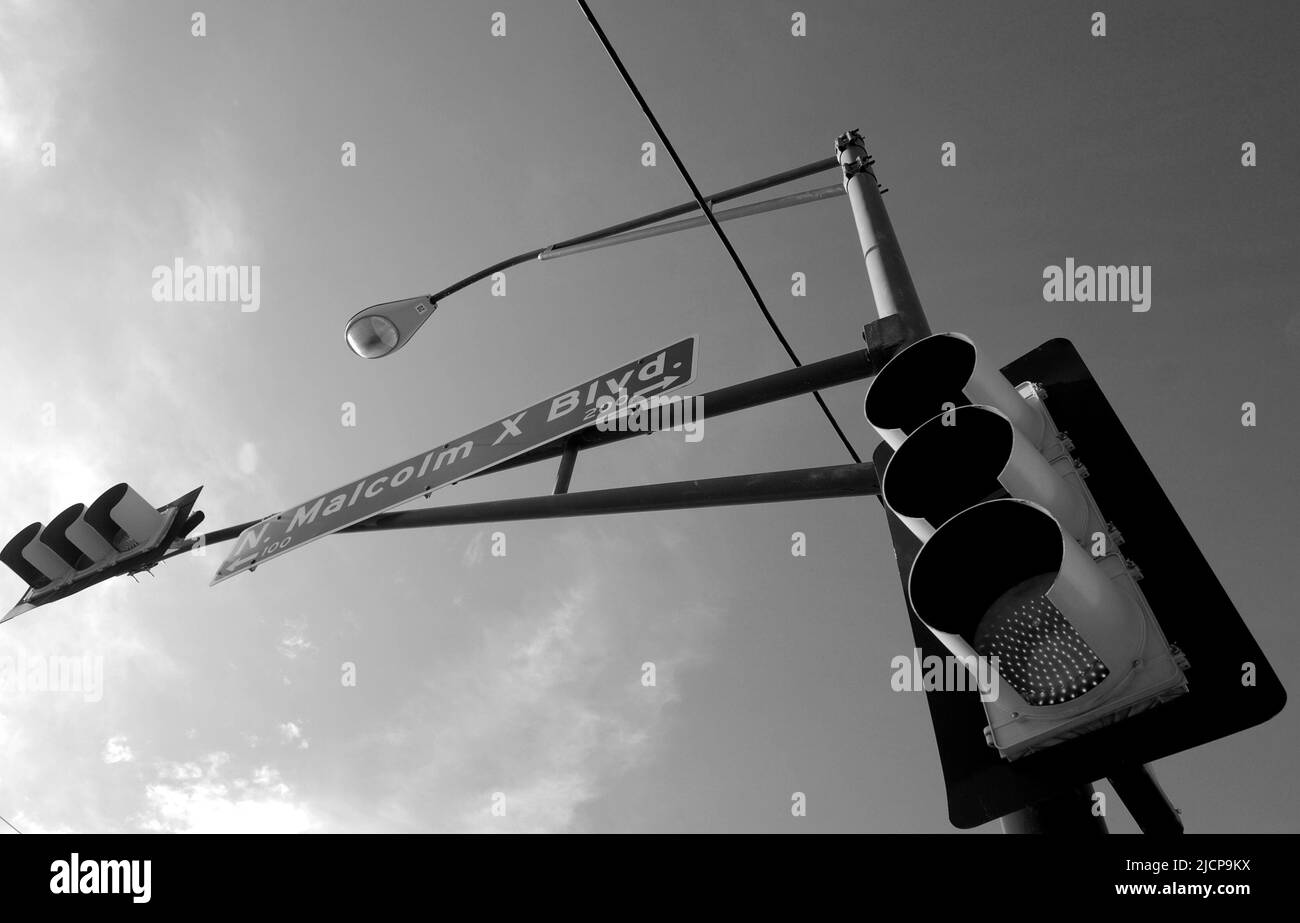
371, 337
382, 329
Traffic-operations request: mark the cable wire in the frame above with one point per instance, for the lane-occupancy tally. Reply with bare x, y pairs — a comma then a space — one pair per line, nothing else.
704, 206
9, 825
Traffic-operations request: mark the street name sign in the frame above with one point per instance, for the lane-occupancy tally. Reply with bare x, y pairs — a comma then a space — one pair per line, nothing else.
563, 413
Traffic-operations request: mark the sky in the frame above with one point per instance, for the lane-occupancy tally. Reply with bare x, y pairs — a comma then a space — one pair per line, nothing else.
224, 709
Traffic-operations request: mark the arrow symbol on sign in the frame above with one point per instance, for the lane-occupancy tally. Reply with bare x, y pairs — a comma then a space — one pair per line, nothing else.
622, 407
662, 383
239, 562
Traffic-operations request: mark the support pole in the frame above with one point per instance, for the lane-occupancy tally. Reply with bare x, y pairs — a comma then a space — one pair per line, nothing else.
837, 370
682, 224
891, 283
766, 487
1066, 814
567, 461
1146, 800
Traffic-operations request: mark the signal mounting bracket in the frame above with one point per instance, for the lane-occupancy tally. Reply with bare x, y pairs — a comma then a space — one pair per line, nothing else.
884, 338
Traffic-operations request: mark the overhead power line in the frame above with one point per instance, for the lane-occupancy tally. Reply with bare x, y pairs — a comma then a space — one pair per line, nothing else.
708, 212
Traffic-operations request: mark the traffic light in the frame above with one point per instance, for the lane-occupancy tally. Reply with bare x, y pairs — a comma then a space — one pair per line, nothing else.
1008, 546
990, 488
118, 533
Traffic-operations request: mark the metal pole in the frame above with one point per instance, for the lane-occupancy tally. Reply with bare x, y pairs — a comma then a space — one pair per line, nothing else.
567, 461
682, 224
891, 283
633, 224
717, 198
837, 370
815, 376
766, 487
856, 480
1069, 813
1146, 800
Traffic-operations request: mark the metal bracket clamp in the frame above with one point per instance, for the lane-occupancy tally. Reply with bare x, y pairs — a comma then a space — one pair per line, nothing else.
851, 138
884, 338
864, 164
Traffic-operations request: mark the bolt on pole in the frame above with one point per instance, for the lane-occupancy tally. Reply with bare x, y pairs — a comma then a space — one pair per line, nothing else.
891, 283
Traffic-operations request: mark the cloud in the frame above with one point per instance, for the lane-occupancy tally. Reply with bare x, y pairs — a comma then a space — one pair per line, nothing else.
293, 643
98, 392
28, 824
200, 797
60, 775
474, 549
539, 699
549, 710
248, 458
116, 750
38, 46
292, 733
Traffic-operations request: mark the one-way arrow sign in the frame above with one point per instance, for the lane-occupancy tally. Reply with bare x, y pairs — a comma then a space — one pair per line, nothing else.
570, 410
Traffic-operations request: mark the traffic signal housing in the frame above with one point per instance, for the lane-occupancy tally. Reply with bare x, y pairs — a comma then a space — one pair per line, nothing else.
118, 533
1008, 546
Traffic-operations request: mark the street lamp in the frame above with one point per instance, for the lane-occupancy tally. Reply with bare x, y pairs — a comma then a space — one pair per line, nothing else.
383, 329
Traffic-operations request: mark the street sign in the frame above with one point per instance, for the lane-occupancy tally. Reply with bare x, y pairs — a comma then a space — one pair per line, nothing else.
563, 413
